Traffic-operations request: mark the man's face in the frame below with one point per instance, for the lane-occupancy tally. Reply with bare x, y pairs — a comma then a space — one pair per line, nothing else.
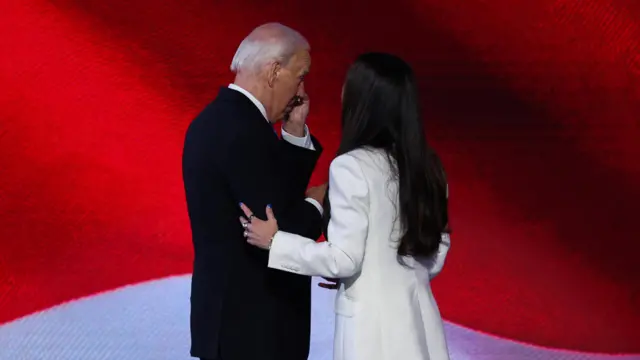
290, 82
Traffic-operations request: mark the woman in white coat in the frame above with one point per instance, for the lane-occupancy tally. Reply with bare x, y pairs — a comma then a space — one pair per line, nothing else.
387, 233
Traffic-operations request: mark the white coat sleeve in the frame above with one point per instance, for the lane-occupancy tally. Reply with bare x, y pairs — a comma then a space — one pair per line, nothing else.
341, 256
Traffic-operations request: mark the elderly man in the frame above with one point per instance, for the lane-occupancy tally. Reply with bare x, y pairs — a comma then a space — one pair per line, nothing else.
232, 155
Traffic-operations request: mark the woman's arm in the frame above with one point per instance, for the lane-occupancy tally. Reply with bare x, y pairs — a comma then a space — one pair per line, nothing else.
342, 255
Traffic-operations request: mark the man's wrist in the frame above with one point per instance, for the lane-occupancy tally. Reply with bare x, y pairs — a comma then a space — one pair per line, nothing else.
295, 129
317, 204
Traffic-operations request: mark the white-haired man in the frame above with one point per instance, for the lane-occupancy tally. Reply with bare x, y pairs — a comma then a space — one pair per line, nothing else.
232, 155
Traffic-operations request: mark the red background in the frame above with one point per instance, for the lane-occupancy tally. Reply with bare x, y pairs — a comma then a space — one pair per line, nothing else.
534, 106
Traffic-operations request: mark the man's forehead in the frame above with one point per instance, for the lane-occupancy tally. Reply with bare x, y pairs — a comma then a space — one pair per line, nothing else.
305, 60
306, 55
302, 58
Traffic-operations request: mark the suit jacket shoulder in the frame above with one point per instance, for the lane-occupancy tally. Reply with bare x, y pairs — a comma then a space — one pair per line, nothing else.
230, 120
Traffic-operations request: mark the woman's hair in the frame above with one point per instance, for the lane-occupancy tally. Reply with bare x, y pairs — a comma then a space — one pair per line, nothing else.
380, 110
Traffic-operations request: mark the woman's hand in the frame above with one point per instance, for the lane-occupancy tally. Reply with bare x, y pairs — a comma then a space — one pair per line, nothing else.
331, 284
258, 232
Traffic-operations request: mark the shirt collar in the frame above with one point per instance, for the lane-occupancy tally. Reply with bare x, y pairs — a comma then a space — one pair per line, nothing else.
253, 99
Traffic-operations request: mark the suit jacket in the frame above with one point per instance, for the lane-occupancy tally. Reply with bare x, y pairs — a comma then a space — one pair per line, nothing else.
384, 310
241, 309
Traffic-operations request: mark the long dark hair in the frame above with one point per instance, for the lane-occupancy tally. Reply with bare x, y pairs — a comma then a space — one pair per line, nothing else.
380, 110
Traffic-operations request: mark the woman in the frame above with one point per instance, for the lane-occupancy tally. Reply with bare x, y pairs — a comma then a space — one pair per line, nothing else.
387, 228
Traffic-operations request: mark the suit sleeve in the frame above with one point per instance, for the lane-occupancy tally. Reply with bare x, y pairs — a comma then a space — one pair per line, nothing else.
259, 174
298, 163
342, 255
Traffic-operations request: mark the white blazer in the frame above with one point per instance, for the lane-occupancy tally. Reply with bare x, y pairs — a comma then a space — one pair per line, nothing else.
384, 310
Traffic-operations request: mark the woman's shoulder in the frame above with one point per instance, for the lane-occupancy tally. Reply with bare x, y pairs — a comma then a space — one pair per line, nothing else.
363, 162
346, 160
362, 155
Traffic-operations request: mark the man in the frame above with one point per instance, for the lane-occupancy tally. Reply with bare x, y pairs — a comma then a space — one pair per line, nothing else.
232, 155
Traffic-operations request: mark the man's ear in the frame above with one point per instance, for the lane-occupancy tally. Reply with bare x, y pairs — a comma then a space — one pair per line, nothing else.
274, 71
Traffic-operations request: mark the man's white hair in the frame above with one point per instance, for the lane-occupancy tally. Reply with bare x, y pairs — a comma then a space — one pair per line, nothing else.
267, 43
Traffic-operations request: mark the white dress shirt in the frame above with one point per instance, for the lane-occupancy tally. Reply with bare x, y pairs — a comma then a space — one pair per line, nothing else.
304, 142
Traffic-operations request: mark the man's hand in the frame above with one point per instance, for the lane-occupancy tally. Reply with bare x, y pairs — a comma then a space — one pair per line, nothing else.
318, 192
294, 124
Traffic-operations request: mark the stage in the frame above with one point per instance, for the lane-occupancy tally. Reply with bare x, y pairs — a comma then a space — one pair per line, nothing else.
149, 321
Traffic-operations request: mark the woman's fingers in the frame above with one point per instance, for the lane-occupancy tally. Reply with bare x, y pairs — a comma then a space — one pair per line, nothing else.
330, 284
245, 209
250, 223
333, 286
246, 225
269, 211
255, 241
253, 236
